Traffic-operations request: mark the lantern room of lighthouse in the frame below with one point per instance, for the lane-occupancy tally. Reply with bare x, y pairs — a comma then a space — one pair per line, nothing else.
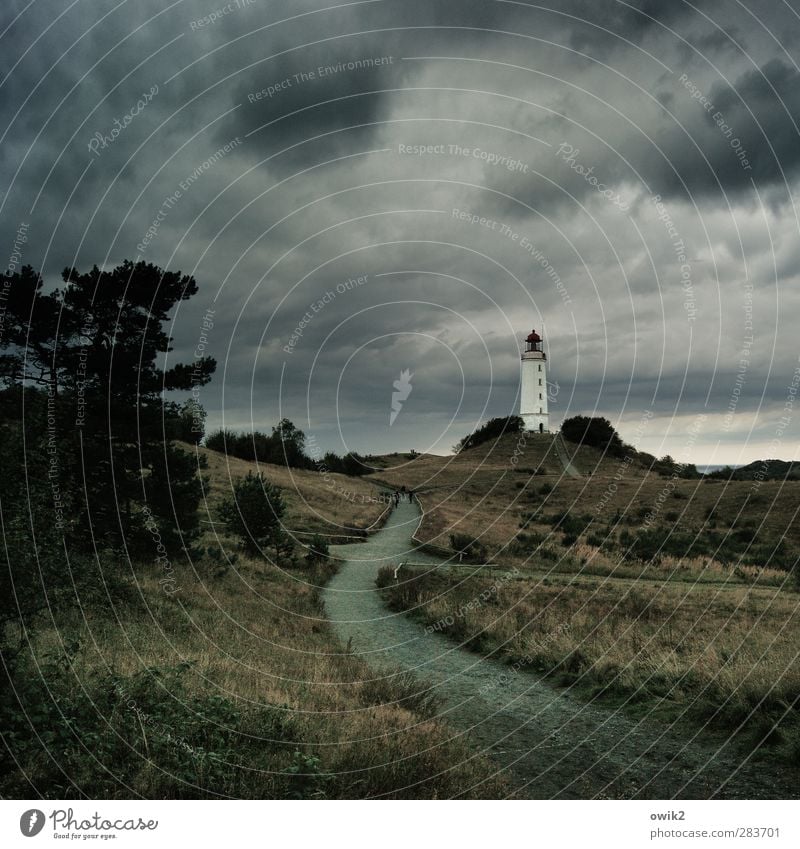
533, 386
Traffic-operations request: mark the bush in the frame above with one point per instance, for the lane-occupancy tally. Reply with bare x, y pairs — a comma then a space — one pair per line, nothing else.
253, 514
493, 429
306, 778
571, 525
318, 551
596, 432
467, 546
529, 519
146, 734
285, 446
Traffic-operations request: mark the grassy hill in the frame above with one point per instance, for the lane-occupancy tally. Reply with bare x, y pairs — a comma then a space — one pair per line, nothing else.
677, 596
515, 498
334, 505
228, 681
762, 470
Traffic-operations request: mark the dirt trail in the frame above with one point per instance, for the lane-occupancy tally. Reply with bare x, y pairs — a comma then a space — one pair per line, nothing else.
549, 743
563, 456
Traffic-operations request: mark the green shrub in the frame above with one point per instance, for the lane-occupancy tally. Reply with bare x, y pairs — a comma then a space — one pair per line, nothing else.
467, 546
146, 733
491, 430
595, 431
570, 524
305, 778
253, 514
318, 551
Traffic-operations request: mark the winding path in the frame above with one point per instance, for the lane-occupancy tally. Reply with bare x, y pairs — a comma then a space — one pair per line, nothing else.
550, 744
563, 456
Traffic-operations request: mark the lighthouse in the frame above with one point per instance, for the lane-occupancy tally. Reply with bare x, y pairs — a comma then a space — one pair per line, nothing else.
533, 386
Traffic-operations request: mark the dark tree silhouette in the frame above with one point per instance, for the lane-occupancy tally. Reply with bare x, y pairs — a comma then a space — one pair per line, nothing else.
595, 431
94, 348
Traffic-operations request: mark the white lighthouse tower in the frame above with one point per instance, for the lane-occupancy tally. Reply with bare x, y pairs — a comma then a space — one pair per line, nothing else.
533, 386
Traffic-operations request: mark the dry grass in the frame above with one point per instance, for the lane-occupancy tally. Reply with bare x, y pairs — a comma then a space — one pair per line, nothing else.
331, 504
731, 647
704, 632
256, 637
259, 638
483, 493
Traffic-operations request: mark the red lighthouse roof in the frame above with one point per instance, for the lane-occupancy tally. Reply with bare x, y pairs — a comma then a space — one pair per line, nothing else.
534, 337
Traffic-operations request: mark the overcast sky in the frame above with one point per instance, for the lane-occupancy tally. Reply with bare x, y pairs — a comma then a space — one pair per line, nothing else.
370, 187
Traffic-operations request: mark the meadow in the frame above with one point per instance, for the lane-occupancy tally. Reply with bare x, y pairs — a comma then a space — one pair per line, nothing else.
227, 680
672, 596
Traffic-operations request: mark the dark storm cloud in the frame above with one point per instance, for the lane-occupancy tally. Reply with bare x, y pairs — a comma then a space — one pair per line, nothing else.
631, 20
763, 107
495, 89
747, 133
315, 105
341, 69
